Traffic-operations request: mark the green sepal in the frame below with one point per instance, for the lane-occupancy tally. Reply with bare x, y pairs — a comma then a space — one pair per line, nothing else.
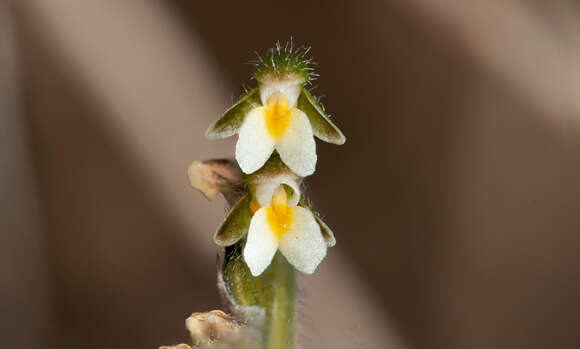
229, 123
321, 125
273, 165
236, 224
327, 233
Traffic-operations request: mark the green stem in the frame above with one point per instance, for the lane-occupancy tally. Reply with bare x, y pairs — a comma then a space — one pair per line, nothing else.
274, 291
280, 306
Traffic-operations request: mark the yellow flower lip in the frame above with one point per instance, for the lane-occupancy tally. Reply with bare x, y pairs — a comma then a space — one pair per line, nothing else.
277, 112
279, 214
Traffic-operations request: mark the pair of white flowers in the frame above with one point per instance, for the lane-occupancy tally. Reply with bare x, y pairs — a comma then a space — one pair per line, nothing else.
279, 116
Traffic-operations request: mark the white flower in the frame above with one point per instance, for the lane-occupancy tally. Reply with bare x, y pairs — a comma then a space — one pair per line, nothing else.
291, 229
277, 125
280, 114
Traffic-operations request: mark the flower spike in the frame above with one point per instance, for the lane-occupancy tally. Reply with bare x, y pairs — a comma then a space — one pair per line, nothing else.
269, 231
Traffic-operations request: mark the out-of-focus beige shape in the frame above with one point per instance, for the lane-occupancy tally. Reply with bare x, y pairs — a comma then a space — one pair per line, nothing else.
535, 48
157, 86
24, 285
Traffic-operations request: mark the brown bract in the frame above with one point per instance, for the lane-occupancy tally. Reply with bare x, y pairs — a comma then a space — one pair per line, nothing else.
206, 328
214, 176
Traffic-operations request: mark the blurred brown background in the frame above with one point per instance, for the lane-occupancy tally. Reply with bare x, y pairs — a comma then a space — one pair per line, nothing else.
455, 199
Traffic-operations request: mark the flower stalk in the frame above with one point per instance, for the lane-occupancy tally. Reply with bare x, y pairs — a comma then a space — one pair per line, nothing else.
280, 305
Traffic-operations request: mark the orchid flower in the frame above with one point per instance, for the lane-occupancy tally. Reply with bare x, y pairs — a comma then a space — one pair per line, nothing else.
274, 217
280, 114
291, 229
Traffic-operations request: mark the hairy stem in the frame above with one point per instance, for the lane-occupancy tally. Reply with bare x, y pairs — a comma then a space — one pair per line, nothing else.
273, 291
280, 307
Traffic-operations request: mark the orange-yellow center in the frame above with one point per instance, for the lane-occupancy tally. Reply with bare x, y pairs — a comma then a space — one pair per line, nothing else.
279, 215
254, 207
277, 114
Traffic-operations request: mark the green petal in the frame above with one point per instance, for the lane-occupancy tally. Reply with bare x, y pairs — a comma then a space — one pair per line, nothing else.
327, 234
229, 123
236, 224
321, 125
